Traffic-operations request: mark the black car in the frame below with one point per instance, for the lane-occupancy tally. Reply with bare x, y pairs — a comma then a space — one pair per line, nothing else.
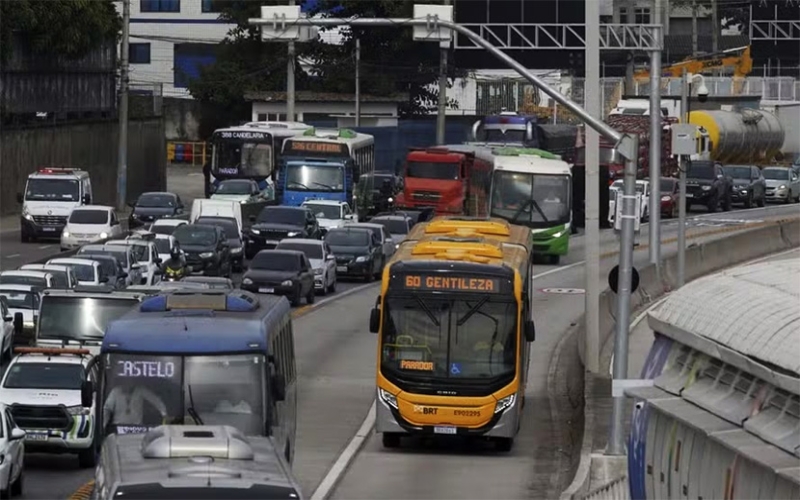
113, 269
205, 248
358, 252
276, 223
154, 205
231, 229
281, 272
749, 186
708, 185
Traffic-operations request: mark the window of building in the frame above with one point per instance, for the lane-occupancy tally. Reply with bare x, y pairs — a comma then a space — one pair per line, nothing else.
139, 53
160, 6
623, 15
189, 59
211, 5
642, 15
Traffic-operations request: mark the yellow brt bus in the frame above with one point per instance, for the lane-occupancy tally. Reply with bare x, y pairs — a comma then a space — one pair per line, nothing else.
454, 321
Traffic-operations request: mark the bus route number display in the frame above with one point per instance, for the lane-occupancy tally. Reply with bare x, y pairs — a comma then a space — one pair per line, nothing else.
259, 136
451, 283
318, 147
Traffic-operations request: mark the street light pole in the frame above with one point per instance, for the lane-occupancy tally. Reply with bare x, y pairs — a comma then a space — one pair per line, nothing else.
655, 147
122, 145
685, 90
290, 80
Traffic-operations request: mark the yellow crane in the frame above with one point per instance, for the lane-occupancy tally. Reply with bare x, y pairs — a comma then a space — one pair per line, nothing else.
738, 59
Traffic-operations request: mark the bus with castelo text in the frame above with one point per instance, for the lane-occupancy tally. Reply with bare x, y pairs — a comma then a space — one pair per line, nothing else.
454, 323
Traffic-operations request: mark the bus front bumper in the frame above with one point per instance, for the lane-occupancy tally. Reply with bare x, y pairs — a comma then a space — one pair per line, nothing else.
389, 420
552, 244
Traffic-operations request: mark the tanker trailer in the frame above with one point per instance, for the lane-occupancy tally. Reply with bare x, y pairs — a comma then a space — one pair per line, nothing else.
750, 136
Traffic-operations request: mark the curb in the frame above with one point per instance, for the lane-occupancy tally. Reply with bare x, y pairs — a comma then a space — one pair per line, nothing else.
658, 287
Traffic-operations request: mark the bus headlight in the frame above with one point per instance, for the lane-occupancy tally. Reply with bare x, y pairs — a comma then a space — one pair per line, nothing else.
388, 398
292, 234
78, 410
505, 403
557, 235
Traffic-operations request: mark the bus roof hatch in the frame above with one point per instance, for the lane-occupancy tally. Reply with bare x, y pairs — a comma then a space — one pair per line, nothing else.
185, 441
236, 301
468, 227
452, 249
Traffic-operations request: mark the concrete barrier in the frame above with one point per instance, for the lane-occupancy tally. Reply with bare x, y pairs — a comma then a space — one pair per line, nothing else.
701, 259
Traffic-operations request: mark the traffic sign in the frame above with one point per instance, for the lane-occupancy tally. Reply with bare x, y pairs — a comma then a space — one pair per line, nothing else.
613, 279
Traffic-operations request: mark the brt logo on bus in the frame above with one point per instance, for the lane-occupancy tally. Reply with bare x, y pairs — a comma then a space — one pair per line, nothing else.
425, 410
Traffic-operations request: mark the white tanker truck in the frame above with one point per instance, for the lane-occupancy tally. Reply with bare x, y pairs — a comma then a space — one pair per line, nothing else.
746, 137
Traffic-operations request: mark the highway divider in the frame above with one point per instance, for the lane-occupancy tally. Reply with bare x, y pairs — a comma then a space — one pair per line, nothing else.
701, 259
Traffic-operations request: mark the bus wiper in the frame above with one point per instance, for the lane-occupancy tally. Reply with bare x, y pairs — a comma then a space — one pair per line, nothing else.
190, 410
472, 311
299, 184
323, 185
528, 203
428, 311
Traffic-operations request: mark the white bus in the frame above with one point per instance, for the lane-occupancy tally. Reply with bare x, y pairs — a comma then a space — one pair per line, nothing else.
324, 164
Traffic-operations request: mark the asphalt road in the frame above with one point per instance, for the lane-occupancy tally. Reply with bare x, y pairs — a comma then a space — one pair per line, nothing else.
336, 358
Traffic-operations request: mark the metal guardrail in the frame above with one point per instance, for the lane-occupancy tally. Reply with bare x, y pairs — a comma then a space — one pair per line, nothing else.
616, 489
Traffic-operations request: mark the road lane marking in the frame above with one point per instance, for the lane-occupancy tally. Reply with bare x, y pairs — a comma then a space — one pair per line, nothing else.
12, 256
44, 247
343, 461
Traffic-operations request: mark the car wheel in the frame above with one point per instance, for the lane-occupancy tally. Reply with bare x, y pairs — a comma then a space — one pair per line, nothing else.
88, 458
748, 203
324, 290
6, 491
762, 201
332, 287
380, 270
390, 439
295, 298
311, 296
726, 202
17, 486
504, 444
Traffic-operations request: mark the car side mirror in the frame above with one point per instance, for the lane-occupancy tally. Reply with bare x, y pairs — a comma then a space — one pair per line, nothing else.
123, 274
104, 279
330, 257
158, 260
530, 330
115, 223
18, 323
136, 266
19, 198
279, 387
87, 200
17, 434
87, 394
374, 320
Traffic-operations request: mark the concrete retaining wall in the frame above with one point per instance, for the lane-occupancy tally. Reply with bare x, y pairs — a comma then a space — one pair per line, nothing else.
701, 259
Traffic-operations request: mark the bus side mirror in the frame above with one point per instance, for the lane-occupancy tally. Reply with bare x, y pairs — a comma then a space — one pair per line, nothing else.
87, 394
279, 387
18, 322
374, 320
530, 330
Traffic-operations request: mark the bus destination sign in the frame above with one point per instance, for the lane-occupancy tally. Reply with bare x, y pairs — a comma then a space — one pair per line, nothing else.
257, 136
445, 283
328, 148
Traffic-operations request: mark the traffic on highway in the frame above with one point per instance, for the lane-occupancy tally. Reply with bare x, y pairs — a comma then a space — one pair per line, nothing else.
232, 317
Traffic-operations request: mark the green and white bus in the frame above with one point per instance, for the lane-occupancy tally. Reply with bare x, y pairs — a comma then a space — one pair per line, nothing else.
532, 188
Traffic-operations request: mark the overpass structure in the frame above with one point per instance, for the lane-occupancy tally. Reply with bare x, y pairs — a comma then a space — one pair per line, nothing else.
722, 419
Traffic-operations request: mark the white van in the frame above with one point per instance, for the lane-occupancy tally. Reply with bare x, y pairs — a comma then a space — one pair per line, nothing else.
49, 197
217, 208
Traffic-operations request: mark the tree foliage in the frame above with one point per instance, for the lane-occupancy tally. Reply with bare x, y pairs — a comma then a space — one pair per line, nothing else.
69, 28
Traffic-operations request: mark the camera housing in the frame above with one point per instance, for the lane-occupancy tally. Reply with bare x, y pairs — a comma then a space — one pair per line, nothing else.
702, 93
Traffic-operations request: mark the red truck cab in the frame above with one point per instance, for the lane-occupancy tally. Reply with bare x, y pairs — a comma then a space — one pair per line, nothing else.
437, 178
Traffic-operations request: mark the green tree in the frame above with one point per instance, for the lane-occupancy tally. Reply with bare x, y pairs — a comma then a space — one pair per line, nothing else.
69, 28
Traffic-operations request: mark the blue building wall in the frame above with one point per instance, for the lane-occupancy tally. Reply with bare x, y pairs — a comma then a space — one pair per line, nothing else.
392, 143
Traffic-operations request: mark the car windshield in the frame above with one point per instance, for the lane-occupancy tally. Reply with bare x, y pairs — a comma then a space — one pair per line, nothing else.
466, 338
156, 200
275, 261
109, 265
228, 226
16, 279
325, 211
304, 177
701, 171
157, 491
52, 190
432, 170
533, 200
245, 159
191, 234
86, 216
220, 390
347, 238
80, 318
162, 229
393, 226
311, 250
501, 136
119, 253
776, 174
20, 300
278, 215
668, 186
163, 245
738, 172
83, 272
237, 187
52, 376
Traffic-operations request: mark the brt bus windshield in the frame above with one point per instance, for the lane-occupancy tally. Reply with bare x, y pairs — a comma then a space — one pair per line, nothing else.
143, 391
467, 338
242, 158
533, 200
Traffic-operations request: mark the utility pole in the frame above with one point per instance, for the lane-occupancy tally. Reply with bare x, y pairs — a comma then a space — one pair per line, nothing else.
685, 90
694, 28
655, 146
290, 80
358, 82
444, 48
591, 103
122, 144
715, 30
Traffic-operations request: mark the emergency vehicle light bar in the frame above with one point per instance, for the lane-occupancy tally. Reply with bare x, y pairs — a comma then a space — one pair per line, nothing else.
50, 350
57, 170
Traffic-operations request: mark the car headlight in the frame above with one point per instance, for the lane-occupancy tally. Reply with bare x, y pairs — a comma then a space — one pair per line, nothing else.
292, 234
665, 198
135, 215
706, 188
236, 250
388, 398
28, 324
318, 271
255, 231
26, 214
247, 281
362, 258
78, 410
287, 283
65, 234
242, 201
744, 191
103, 235
206, 255
782, 186
505, 403
396, 246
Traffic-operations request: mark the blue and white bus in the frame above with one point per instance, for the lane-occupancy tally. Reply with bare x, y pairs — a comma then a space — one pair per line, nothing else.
250, 151
210, 358
324, 164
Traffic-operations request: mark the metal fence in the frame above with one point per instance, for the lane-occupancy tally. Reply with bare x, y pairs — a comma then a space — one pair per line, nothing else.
616, 489
781, 89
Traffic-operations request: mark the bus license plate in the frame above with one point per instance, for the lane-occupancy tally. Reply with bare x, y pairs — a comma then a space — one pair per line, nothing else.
49, 229
444, 429
36, 436
266, 290
689, 195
